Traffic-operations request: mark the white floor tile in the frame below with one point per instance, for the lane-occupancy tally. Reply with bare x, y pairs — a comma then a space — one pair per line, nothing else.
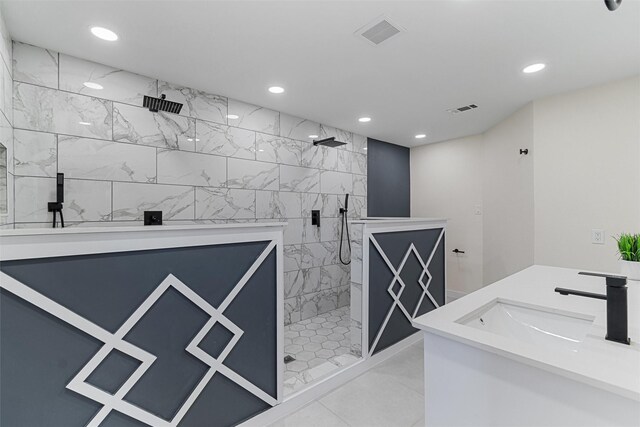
313, 415
406, 367
376, 399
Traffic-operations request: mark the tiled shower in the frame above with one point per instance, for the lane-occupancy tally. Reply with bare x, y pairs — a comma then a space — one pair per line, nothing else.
202, 166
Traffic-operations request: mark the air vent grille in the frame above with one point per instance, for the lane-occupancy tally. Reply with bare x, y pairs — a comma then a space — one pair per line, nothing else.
462, 109
379, 30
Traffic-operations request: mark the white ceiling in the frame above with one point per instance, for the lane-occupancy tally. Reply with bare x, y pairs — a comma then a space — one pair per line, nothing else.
453, 53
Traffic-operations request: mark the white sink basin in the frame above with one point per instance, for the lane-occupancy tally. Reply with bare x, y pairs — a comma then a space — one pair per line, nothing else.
539, 326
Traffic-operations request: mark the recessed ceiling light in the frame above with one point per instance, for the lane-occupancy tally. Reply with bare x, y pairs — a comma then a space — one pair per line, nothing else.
190, 139
313, 136
104, 34
276, 89
364, 119
365, 148
533, 68
92, 85
84, 123
261, 150
420, 136
232, 116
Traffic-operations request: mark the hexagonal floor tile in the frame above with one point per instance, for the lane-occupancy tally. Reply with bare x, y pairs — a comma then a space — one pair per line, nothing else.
329, 325
301, 340
325, 353
325, 332
307, 333
319, 320
312, 346
318, 338
340, 330
305, 356
297, 366
296, 327
335, 337
293, 349
291, 334
331, 345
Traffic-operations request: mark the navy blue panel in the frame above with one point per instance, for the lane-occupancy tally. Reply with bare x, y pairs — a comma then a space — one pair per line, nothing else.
395, 245
216, 340
165, 331
410, 274
254, 357
379, 299
40, 355
114, 370
107, 288
118, 419
388, 178
397, 329
222, 403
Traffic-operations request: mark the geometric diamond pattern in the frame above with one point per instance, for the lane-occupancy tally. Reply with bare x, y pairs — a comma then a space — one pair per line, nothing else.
397, 285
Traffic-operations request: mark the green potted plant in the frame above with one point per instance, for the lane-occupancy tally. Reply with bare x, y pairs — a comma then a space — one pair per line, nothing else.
629, 250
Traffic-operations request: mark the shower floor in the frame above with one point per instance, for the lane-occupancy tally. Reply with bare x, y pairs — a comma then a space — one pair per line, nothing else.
320, 345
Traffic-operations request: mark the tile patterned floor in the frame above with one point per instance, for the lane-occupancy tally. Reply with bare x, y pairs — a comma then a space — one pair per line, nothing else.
388, 395
320, 345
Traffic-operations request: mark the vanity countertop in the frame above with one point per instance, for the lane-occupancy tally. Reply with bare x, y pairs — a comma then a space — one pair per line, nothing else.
604, 364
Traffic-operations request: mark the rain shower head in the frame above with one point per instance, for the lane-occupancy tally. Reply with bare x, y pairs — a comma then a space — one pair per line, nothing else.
329, 142
161, 104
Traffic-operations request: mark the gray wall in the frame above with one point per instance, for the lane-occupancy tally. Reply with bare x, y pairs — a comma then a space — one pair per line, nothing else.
388, 190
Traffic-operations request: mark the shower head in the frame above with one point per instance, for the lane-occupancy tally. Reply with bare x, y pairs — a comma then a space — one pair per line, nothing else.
161, 104
329, 142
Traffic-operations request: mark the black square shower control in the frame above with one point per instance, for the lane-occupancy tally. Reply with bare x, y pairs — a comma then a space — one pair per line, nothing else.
152, 217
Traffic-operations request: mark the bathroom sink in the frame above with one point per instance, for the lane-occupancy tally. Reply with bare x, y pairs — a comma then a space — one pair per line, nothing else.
539, 326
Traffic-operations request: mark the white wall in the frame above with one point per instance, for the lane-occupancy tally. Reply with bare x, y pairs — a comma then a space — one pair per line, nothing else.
587, 164
582, 172
446, 182
507, 183
6, 128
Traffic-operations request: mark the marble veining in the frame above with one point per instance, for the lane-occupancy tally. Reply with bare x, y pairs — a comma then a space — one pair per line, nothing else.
105, 160
339, 134
276, 149
359, 163
359, 185
336, 182
293, 231
48, 110
35, 153
278, 204
223, 140
87, 200
117, 85
253, 175
310, 232
225, 203
130, 200
319, 157
253, 117
196, 103
297, 127
293, 178
35, 65
344, 161
141, 126
327, 204
186, 168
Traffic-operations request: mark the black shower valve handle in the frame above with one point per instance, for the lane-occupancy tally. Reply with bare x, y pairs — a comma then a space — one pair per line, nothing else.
457, 251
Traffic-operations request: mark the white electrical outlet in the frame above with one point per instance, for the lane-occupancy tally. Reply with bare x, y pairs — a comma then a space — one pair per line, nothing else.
597, 236
477, 210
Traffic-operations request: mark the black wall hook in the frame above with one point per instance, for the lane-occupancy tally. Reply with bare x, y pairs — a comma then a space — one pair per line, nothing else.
524, 151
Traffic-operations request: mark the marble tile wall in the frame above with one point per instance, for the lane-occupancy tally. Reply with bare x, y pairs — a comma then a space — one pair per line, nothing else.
7, 176
119, 160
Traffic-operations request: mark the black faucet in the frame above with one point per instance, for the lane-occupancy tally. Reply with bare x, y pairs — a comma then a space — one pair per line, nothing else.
617, 323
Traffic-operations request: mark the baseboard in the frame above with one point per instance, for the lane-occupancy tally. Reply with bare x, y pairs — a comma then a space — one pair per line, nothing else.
302, 398
454, 295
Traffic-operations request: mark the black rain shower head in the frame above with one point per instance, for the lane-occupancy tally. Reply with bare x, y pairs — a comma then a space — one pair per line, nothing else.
161, 104
329, 142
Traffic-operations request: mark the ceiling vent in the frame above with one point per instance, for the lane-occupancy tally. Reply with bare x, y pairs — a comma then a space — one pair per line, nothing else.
379, 30
462, 109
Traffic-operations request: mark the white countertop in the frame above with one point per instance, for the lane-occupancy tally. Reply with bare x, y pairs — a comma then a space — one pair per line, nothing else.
604, 364
135, 228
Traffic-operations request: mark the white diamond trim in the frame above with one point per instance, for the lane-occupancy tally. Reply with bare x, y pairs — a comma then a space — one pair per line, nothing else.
397, 278
115, 341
